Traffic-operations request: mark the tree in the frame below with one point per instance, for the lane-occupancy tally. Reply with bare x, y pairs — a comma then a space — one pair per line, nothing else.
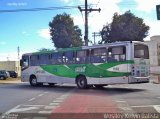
64, 33
125, 27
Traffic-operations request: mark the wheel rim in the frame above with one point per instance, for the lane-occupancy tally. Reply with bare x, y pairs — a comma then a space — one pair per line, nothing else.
34, 81
81, 83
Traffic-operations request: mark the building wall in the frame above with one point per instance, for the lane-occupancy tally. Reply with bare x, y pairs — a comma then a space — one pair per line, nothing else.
154, 50
11, 66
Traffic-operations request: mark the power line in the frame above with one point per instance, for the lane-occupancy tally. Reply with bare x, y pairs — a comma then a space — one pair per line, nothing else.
40, 9
86, 10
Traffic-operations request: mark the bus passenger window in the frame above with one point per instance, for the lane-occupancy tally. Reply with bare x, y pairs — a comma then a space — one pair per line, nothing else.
44, 59
98, 55
82, 56
69, 57
116, 54
34, 59
56, 58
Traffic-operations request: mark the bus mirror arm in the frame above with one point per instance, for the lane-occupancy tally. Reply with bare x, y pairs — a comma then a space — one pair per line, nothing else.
21, 62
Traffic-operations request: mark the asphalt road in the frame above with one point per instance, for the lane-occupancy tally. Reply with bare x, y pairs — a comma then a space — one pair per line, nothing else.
128, 98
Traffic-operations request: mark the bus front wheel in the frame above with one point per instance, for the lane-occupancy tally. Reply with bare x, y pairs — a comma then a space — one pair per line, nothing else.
33, 81
81, 82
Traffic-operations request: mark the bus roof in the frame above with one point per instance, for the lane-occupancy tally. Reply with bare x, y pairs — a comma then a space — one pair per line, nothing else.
84, 47
57, 50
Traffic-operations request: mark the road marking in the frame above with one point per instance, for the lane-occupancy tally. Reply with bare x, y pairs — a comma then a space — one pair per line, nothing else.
143, 106
54, 104
66, 95
40, 95
4, 115
158, 97
50, 107
32, 99
119, 101
24, 109
19, 109
58, 101
60, 98
34, 105
157, 108
45, 112
126, 108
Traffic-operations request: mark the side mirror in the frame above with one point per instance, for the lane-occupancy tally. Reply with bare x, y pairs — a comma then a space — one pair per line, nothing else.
21, 62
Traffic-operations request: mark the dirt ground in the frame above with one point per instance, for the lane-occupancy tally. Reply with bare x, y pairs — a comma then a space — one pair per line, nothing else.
11, 80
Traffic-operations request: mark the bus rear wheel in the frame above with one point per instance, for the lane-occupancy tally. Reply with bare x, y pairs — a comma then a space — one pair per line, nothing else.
81, 82
33, 81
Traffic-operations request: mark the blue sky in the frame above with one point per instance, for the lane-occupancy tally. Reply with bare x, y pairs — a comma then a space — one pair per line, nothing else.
30, 30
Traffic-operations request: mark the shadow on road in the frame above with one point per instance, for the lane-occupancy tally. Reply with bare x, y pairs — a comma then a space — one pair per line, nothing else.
65, 88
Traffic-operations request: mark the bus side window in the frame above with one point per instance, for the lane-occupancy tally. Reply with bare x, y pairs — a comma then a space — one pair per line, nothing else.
116, 54
44, 59
82, 56
98, 55
69, 57
25, 61
34, 60
56, 58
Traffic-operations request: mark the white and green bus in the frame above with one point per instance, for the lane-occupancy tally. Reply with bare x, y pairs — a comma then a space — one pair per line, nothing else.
99, 65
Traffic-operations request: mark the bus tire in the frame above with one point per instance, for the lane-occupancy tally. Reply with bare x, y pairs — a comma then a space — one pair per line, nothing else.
81, 82
33, 80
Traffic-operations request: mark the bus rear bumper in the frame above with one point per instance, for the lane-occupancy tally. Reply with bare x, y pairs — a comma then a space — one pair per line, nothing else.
139, 79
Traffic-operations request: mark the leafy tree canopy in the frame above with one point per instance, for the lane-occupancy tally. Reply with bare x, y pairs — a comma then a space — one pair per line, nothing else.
125, 27
64, 33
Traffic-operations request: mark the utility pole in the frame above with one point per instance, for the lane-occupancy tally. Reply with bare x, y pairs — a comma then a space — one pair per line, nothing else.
18, 50
95, 34
86, 19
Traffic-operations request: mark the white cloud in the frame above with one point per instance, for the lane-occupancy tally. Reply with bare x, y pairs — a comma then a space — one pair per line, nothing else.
17, 4
66, 1
11, 56
97, 20
44, 33
154, 28
108, 8
147, 5
3, 43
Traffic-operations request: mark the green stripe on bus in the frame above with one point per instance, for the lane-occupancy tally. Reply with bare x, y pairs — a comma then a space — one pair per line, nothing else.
89, 70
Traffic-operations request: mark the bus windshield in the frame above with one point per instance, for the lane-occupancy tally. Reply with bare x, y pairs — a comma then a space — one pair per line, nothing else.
25, 62
141, 51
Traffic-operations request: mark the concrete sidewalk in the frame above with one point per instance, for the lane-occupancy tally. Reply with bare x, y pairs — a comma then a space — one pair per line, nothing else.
155, 79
